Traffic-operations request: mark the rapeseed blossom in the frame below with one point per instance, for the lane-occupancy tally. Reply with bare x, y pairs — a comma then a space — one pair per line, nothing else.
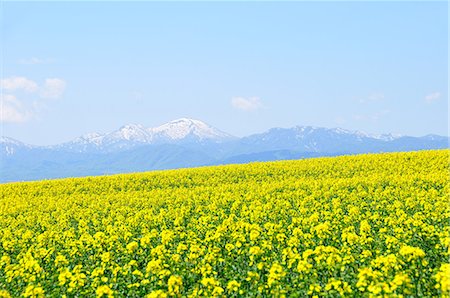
372, 225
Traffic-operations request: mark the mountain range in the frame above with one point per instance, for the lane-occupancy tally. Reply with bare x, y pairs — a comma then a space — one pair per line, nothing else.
189, 143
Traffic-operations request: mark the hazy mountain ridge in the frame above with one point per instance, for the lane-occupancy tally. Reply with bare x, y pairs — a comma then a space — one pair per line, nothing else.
189, 143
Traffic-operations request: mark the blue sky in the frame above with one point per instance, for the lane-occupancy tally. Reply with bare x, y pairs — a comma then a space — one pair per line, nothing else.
75, 67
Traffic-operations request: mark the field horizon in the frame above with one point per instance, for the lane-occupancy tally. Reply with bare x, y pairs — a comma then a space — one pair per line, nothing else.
224, 165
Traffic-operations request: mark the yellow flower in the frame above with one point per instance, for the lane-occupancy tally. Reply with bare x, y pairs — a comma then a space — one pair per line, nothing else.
399, 280
252, 276
157, 294
137, 272
166, 236
314, 288
95, 273
341, 287
181, 247
303, 266
217, 291
255, 250
106, 256
410, 252
229, 247
104, 291
154, 266
276, 272
233, 286
364, 227
174, 284
34, 291
61, 260
443, 278
5, 260
132, 246
176, 258
254, 234
322, 229
64, 276
208, 282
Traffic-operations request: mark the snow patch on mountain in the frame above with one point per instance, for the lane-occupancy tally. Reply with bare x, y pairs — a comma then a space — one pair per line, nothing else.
302, 131
90, 138
386, 137
10, 141
9, 146
184, 127
131, 132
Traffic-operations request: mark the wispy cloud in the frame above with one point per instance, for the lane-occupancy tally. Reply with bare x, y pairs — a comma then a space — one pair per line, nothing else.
22, 98
34, 61
53, 88
12, 110
246, 104
432, 97
374, 117
18, 83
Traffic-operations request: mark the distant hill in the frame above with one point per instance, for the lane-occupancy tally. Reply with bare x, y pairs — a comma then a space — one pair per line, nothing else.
189, 143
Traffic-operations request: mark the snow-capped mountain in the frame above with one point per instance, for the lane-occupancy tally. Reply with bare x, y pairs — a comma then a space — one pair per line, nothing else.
87, 142
9, 146
358, 134
189, 129
180, 131
187, 143
126, 137
335, 141
305, 138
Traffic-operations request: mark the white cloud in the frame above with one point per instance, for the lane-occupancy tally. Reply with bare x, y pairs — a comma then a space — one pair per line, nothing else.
17, 106
432, 97
34, 60
246, 104
12, 110
18, 83
53, 88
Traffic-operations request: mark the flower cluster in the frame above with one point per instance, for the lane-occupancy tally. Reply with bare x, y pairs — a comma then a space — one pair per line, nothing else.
367, 225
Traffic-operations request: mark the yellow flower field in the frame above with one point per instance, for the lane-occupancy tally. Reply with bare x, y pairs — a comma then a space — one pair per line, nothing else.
368, 225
